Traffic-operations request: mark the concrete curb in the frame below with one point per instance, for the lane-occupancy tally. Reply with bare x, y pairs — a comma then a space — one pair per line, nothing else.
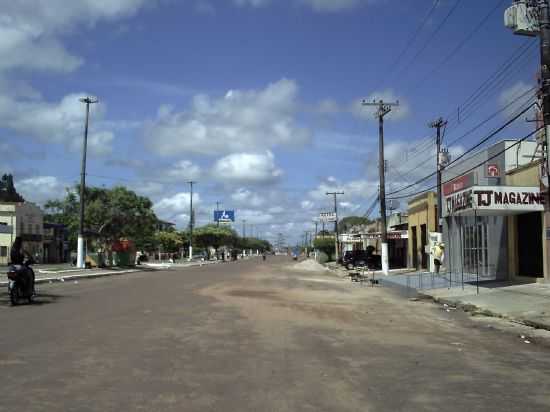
61, 279
476, 310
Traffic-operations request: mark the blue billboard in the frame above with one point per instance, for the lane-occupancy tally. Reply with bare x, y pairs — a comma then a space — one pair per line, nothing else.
224, 216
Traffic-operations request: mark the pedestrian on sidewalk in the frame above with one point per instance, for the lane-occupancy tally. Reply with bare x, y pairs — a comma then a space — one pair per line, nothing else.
438, 253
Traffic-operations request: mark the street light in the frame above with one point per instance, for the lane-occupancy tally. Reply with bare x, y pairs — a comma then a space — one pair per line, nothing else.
81, 254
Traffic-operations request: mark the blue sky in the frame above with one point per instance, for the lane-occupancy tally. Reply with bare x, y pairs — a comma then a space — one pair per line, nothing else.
256, 100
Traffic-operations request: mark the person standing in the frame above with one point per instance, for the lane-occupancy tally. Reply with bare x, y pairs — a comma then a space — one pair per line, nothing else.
438, 253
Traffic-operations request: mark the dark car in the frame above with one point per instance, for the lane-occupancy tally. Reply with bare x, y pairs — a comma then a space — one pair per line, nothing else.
352, 259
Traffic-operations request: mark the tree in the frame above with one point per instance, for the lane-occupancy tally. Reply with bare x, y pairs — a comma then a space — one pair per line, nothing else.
348, 222
214, 236
325, 245
111, 214
169, 241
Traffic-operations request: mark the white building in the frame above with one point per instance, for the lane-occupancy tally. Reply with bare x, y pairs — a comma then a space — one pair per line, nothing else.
25, 220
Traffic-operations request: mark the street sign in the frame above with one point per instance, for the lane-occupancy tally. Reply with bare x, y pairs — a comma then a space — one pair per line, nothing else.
327, 217
224, 216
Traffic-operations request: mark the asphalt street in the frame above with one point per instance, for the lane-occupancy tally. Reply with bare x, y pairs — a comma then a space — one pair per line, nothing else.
254, 336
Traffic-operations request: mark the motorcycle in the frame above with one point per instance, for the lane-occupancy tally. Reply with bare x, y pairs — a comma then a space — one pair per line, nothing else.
21, 282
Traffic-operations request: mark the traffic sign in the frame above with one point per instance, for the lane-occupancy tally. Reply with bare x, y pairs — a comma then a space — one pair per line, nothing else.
224, 216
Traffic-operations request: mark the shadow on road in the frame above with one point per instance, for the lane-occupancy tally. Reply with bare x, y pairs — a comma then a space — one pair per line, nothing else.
39, 300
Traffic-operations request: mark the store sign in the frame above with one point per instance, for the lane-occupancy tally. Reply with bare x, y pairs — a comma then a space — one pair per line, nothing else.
327, 217
493, 170
458, 184
350, 238
394, 235
510, 199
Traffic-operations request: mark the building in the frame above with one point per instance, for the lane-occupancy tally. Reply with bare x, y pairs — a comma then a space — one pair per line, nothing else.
422, 221
55, 243
25, 220
493, 212
362, 236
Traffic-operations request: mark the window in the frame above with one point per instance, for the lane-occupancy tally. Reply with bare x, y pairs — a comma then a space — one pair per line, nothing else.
3, 251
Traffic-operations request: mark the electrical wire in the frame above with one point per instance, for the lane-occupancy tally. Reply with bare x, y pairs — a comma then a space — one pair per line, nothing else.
485, 139
472, 168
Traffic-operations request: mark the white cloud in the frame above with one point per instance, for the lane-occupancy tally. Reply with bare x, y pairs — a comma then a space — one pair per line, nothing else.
512, 94
321, 6
176, 207
183, 170
252, 3
246, 197
388, 96
352, 189
240, 121
307, 204
242, 168
30, 30
61, 122
332, 5
40, 189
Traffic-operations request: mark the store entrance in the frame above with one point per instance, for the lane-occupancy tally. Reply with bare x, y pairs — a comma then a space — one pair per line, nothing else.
529, 226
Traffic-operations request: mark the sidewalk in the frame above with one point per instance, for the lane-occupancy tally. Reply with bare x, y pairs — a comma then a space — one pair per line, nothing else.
526, 303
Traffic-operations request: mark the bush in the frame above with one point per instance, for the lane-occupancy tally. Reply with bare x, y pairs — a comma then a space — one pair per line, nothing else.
322, 257
325, 245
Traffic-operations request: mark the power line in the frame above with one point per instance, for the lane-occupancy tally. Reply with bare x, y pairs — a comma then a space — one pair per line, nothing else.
472, 168
460, 45
491, 135
414, 36
433, 35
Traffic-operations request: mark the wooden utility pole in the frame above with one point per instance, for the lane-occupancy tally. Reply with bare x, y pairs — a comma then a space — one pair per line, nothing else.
383, 109
438, 124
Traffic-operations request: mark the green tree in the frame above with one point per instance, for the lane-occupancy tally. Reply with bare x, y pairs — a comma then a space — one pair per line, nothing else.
325, 245
214, 236
111, 214
348, 222
169, 241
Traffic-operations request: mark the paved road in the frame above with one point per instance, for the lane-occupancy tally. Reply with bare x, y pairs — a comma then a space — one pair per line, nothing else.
249, 336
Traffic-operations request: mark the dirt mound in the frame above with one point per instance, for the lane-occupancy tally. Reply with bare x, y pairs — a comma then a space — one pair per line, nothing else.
309, 265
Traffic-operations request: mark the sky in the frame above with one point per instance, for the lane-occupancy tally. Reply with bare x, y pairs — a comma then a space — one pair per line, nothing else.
258, 101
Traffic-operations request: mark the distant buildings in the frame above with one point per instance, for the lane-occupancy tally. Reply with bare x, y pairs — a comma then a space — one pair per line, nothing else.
45, 242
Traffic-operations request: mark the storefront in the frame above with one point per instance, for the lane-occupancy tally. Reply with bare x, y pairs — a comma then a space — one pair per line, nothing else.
493, 214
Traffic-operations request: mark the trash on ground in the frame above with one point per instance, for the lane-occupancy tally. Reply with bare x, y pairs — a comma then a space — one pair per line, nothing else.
527, 341
62, 280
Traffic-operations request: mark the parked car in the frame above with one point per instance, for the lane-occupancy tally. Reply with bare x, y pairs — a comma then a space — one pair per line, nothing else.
354, 258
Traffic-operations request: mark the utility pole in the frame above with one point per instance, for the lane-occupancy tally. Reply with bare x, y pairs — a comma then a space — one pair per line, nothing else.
383, 110
438, 124
217, 211
81, 253
337, 243
191, 220
532, 18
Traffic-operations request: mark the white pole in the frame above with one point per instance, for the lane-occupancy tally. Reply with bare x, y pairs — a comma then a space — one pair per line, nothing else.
385, 260
80, 263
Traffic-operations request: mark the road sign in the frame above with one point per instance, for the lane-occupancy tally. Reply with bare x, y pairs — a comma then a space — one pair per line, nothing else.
327, 217
224, 216
493, 170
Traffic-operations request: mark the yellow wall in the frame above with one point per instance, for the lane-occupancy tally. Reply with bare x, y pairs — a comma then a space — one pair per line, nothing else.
422, 211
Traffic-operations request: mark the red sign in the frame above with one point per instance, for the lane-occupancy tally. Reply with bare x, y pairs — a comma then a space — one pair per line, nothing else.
493, 170
458, 184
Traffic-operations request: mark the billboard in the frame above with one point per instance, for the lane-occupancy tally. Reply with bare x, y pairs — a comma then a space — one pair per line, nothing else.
224, 216
327, 217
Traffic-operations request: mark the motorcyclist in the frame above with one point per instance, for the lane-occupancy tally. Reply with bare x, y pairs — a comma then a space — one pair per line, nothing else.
264, 255
17, 258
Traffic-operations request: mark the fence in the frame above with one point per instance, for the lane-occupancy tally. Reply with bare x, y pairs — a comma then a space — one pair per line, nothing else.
426, 280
